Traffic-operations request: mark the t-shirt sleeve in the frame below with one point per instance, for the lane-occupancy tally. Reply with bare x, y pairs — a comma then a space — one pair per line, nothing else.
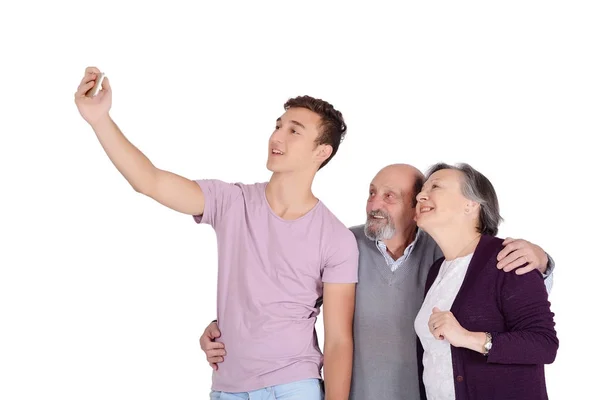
341, 260
219, 196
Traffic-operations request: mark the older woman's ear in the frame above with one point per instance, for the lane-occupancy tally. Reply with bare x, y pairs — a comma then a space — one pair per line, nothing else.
471, 206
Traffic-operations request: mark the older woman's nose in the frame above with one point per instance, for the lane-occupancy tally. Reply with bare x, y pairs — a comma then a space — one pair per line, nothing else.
422, 196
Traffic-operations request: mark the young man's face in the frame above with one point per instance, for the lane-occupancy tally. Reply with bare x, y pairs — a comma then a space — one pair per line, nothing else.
292, 146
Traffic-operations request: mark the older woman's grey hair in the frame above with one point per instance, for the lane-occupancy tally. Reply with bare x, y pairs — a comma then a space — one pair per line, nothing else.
478, 188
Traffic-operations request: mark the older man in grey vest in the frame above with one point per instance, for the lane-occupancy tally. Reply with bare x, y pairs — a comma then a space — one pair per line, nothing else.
395, 258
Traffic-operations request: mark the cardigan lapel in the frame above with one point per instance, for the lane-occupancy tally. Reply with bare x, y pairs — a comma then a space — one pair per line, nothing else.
433, 273
484, 250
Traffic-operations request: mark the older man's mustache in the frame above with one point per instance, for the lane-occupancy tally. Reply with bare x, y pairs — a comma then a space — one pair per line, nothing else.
382, 229
378, 213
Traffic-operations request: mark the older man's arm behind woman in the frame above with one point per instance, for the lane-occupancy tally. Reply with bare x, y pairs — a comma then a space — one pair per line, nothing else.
531, 337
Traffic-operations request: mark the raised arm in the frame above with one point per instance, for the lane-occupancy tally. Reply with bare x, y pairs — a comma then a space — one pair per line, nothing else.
167, 188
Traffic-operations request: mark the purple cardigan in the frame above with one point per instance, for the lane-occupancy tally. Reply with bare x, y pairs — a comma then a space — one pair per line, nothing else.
515, 310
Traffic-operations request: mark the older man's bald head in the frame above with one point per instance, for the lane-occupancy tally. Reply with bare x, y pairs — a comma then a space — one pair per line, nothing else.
400, 169
404, 176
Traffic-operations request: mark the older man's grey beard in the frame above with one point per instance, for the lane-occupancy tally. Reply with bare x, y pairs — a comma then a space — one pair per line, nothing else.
375, 230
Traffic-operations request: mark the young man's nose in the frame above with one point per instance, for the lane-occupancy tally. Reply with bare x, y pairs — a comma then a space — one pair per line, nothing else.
277, 136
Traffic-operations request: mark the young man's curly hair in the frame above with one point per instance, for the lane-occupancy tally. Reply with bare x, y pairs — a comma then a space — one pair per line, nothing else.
333, 127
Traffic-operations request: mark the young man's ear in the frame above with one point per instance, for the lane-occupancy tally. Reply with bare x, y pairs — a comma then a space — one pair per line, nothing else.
323, 152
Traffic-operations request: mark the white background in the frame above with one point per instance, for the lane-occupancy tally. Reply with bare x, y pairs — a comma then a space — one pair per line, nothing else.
104, 293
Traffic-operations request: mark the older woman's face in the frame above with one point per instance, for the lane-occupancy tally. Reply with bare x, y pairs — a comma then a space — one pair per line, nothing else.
441, 202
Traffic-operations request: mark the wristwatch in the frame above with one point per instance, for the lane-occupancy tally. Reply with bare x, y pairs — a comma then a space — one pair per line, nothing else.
488, 343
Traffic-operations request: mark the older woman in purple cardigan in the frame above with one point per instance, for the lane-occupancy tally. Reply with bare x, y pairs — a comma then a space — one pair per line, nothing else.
483, 333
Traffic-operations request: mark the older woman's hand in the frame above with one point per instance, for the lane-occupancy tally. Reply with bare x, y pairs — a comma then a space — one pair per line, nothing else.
443, 325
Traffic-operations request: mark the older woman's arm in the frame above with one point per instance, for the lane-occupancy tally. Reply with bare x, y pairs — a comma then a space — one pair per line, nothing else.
530, 337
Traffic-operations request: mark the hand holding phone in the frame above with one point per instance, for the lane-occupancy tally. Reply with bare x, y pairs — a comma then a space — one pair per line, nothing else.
97, 86
93, 96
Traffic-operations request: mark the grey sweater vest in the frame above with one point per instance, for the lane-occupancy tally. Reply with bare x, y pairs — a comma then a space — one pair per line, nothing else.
385, 343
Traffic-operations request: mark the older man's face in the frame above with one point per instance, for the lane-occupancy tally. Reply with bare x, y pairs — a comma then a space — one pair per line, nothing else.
390, 203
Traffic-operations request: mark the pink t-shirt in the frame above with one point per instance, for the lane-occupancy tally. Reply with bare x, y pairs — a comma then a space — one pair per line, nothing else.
271, 275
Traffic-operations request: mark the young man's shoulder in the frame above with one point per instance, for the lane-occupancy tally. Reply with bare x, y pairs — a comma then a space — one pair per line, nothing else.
220, 185
242, 185
253, 190
334, 230
339, 250
331, 220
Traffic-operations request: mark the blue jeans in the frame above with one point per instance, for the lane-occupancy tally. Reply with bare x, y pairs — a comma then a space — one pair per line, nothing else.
308, 389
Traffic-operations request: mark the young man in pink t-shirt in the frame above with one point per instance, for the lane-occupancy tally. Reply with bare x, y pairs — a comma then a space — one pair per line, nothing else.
281, 252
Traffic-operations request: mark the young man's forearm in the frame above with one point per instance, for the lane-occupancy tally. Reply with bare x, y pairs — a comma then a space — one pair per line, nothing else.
169, 189
131, 162
337, 368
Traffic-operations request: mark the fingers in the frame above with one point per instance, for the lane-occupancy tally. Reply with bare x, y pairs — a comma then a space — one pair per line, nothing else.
438, 321
88, 76
88, 81
515, 259
525, 269
207, 344
215, 356
84, 87
215, 351
213, 331
512, 245
211, 357
105, 85
92, 70
437, 329
436, 316
210, 345
105, 89
435, 322
508, 240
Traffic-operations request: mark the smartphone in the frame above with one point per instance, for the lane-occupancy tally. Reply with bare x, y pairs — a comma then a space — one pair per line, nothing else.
94, 91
